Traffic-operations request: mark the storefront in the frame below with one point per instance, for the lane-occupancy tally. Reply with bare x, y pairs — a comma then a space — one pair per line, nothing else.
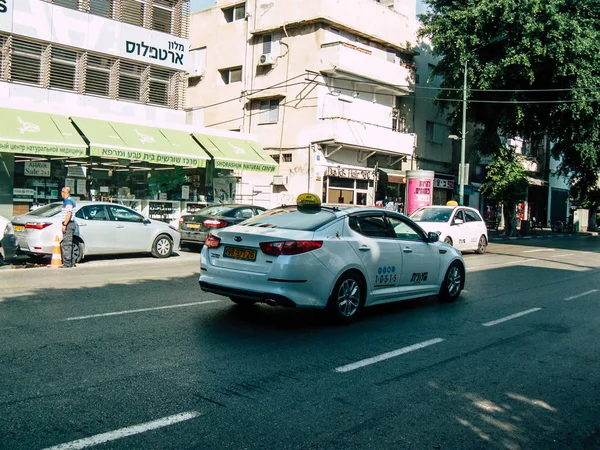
348, 185
162, 173
443, 188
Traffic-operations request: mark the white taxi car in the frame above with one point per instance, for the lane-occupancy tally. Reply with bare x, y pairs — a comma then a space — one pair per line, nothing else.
460, 226
339, 257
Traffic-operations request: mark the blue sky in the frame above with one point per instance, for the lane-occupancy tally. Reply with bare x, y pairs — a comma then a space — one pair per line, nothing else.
197, 5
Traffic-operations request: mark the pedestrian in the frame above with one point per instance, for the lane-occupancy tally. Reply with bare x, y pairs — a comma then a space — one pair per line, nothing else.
68, 228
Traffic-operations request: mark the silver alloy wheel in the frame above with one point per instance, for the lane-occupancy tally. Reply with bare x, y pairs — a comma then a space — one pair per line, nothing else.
348, 297
481, 247
453, 280
163, 246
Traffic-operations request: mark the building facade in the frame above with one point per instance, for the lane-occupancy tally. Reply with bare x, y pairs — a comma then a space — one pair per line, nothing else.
326, 86
92, 96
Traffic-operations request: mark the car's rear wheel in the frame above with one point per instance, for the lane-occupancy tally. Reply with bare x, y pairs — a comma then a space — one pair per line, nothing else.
77, 252
448, 240
452, 283
162, 247
482, 245
347, 299
242, 301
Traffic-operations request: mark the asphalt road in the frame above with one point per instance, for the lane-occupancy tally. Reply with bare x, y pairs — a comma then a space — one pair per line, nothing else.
130, 354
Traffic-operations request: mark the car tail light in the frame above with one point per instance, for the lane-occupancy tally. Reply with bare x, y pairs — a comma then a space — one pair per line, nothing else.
36, 226
180, 220
212, 241
289, 247
215, 223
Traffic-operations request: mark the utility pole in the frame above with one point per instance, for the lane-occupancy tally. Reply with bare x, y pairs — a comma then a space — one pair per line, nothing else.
463, 141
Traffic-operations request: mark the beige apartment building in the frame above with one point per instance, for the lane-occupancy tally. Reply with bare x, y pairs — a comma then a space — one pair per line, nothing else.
327, 87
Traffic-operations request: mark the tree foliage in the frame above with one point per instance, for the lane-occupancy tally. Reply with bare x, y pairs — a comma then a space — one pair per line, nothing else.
533, 70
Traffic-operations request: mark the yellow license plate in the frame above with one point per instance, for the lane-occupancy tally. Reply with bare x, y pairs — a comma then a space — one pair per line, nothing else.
19, 228
195, 226
240, 253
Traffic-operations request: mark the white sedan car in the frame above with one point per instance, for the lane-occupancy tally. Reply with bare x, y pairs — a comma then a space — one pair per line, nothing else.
342, 258
460, 226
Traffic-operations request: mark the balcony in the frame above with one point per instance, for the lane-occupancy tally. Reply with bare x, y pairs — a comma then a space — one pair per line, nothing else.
342, 59
366, 17
362, 136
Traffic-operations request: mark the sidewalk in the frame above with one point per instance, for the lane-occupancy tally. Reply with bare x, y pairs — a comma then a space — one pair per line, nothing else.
538, 234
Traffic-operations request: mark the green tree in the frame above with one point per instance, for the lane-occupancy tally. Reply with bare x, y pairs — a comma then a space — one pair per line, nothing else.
506, 182
533, 70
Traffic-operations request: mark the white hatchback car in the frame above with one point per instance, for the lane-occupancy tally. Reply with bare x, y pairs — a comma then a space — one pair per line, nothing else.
460, 226
342, 258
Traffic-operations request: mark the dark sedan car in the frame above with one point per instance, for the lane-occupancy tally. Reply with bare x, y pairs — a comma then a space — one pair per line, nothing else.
195, 227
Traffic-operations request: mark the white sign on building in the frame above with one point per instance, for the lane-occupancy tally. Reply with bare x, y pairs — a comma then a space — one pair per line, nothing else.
36, 168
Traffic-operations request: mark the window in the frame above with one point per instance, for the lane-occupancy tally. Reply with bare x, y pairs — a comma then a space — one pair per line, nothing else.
237, 12
130, 81
266, 43
391, 56
269, 111
459, 215
132, 11
275, 158
244, 213
63, 67
231, 75
287, 157
472, 216
159, 86
72, 4
26, 62
97, 75
162, 14
95, 212
103, 8
404, 231
125, 215
435, 132
370, 226
432, 78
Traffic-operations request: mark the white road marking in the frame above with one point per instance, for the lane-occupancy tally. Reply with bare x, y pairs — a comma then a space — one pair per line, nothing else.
119, 313
388, 355
513, 316
474, 269
125, 432
566, 254
582, 294
540, 250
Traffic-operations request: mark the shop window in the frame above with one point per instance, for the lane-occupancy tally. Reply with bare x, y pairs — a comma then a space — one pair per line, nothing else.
159, 86
269, 111
435, 133
97, 75
103, 8
231, 75
347, 183
71, 4
362, 184
132, 11
162, 15
63, 68
26, 62
130, 81
237, 12
287, 157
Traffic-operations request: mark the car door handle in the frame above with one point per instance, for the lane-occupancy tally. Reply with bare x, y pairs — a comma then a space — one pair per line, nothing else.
407, 250
364, 248
82, 224
120, 226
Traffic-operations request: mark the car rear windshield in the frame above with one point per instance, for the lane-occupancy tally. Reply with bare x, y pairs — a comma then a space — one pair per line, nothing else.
46, 211
212, 211
431, 215
292, 218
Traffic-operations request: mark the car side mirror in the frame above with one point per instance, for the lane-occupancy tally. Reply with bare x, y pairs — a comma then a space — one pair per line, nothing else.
147, 221
458, 222
433, 237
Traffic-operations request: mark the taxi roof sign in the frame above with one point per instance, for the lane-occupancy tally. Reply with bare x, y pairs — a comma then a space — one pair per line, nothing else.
451, 203
308, 199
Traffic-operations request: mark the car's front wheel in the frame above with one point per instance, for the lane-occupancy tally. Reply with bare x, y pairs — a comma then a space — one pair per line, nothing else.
452, 283
347, 299
448, 240
162, 247
482, 245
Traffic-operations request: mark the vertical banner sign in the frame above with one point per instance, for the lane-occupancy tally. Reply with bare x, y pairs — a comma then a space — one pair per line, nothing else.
419, 189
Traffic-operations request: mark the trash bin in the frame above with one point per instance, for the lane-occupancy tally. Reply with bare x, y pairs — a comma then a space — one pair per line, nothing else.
525, 227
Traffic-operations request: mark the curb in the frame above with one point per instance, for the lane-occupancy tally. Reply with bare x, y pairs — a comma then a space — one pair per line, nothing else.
549, 236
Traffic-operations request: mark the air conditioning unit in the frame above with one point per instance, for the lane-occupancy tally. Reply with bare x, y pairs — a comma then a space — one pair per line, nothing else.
279, 180
265, 59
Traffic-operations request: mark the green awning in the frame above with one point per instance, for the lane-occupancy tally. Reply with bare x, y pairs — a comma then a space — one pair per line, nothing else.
141, 143
236, 154
37, 133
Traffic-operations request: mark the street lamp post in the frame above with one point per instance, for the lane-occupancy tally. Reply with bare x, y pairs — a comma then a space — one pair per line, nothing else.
463, 142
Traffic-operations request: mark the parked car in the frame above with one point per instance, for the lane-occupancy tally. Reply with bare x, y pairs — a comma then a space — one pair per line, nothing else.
460, 226
340, 258
102, 229
195, 227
